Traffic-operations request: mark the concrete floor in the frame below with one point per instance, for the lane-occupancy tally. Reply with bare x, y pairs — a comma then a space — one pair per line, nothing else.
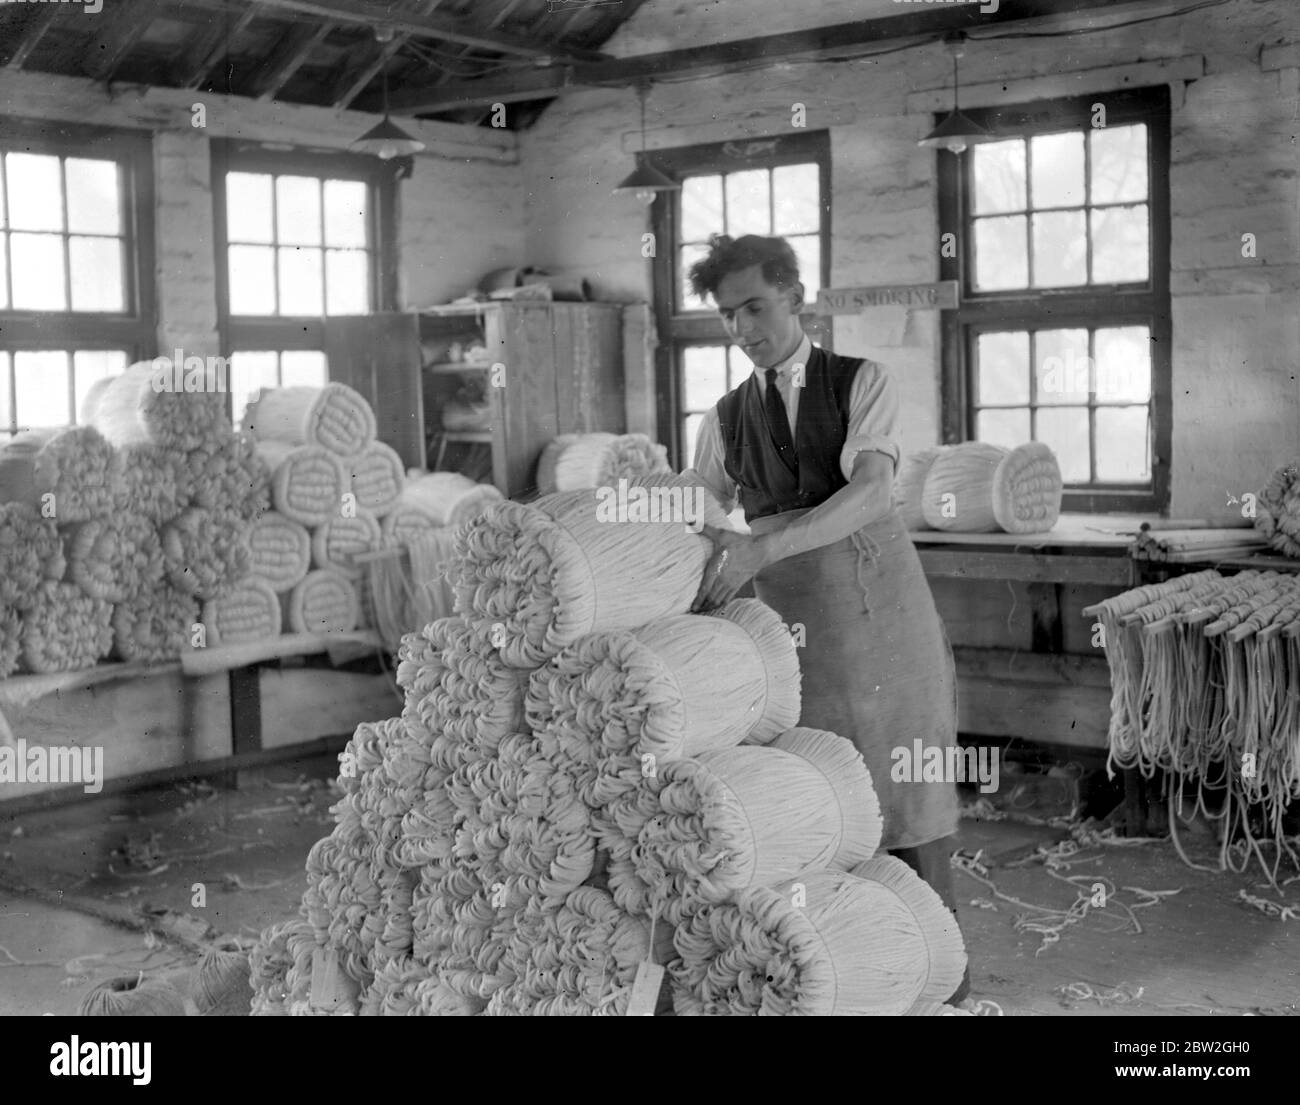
109, 887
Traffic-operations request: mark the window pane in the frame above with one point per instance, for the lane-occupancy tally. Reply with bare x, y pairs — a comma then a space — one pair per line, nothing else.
94, 200
796, 199
1065, 431
4, 272
303, 368
704, 375
1123, 455
248, 208
34, 191
1061, 366
96, 274
1120, 245
37, 261
346, 282
701, 208
252, 280
1060, 249
297, 211
1057, 170
999, 170
90, 365
345, 213
300, 282
747, 203
42, 388
249, 373
692, 430
808, 249
1001, 260
6, 412
1119, 164
1123, 355
1005, 428
689, 301
1003, 368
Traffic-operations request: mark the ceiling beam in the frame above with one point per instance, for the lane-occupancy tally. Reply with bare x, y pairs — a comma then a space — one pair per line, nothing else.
354, 79
294, 47
212, 46
122, 29
445, 28
30, 35
728, 57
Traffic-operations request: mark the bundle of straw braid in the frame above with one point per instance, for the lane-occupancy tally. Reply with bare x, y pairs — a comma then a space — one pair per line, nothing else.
114, 558
909, 484
156, 482
71, 475
322, 602
407, 585
1205, 677
441, 499
64, 629
205, 551
280, 967
131, 411
229, 476
378, 478
30, 551
307, 482
334, 417
571, 462
536, 578
830, 943
405, 987
976, 487
279, 551
11, 628
338, 542
248, 611
154, 625
1278, 512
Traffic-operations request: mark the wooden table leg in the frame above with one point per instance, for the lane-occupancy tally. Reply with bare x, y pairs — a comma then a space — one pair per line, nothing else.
1134, 807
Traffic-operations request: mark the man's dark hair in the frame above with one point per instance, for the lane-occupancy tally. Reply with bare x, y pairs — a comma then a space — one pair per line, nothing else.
727, 255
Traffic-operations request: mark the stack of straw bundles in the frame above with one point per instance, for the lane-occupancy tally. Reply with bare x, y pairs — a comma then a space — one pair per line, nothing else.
205, 551
322, 602
334, 417
248, 611
980, 488
749, 816
343, 896
77, 468
378, 478
65, 629
156, 482
537, 578
114, 558
405, 987
575, 961
337, 543
459, 926
573, 461
443, 499
680, 686
279, 551
909, 484
228, 475
154, 625
307, 482
130, 411
1278, 515
829, 944
30, 551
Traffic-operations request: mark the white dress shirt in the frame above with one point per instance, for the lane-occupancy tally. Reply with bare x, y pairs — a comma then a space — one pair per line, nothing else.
873, 421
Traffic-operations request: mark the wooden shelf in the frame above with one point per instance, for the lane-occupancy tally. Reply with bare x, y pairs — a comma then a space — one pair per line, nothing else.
466, 437
450, 367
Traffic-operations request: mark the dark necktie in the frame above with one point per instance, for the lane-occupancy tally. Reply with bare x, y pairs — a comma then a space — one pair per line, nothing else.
779, 423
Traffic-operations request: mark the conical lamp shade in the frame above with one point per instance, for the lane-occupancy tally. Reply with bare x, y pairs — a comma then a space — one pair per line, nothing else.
386, 140
955, 133
646, 178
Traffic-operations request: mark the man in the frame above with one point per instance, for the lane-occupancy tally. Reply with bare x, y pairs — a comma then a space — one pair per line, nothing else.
806, 445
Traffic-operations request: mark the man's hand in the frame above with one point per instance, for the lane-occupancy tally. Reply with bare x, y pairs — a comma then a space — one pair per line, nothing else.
735, 559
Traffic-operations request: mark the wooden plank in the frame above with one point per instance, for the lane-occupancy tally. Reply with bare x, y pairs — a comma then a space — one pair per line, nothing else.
121, 31
1076, 632
287, 57
29, 36
568, 334
1046, 631
1072, 531
210, 48
1009, 665
1028, 567
530, 414
996, 614
639, 370
495, 338
356, 76
210, 661
245, 711
304, 704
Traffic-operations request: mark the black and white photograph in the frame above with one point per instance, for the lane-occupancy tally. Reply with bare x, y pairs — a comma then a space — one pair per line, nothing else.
583, 508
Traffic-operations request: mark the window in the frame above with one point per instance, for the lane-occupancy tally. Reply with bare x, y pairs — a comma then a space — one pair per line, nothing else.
302, 238
1061, 334
75, 232
767, 186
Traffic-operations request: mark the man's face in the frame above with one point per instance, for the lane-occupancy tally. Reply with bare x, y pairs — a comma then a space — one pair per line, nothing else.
760, 317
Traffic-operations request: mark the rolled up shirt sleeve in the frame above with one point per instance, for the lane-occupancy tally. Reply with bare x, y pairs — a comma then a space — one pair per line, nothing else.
873, 417
709, 467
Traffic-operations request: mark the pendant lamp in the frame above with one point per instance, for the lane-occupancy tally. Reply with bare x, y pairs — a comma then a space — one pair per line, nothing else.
645, 181
956, 131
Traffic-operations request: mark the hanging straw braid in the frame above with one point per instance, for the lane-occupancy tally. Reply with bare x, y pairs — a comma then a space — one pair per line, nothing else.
30, 551
229, 475
408, 586
1277, 517
205, 551
1027, 489
156, 482
155, 625
537, 578
114, 558
571, 462
850, 947
446, 498
378, 477
307, 482
323, 602
131, 411
338, 542
248, 611
967, 473
334, 417
11, 630
279, 551
65, 629
909, 483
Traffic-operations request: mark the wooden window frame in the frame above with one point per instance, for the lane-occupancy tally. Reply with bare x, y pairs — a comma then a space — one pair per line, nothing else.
1089, 306
702, 326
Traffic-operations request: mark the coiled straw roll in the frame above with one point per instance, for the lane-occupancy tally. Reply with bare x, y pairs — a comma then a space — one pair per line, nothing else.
334, 417
248, 611
154, 625
30, 551
82, 472
909, 485
143, 406
307, 482
378, 477
219, 985
65, 629
279, 550
228, 474
574, 461
338, 542
446, 498
155, 482
826, 944
205, 551
323, 602
133, 997
1278, 515
534, 579
958, 491
1027, 489
114, 558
